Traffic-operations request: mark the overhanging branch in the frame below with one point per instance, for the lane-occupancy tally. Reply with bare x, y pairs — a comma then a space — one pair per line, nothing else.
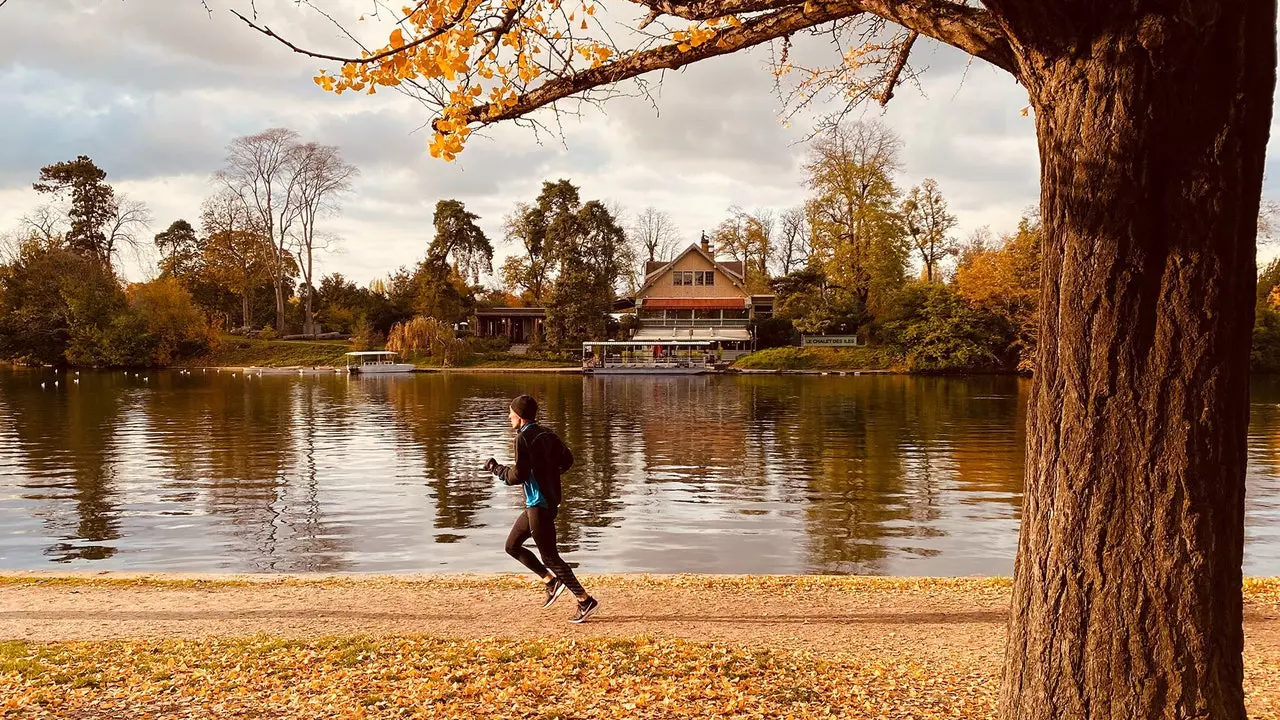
970, 29
669, 57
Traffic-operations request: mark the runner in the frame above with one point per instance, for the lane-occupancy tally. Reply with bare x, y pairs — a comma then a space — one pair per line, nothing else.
541, 457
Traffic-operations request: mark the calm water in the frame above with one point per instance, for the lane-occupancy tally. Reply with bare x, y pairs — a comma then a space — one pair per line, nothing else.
210, 472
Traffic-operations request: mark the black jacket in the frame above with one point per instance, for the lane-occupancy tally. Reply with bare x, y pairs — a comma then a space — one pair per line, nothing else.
542, 452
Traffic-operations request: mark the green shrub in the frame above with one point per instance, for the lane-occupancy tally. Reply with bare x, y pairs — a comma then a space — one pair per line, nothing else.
267, 333
938, 331
794, 358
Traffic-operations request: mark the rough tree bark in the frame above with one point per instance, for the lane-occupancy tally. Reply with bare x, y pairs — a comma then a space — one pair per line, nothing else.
1153, 121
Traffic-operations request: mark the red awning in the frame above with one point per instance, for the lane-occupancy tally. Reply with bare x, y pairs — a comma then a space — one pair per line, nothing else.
728, 303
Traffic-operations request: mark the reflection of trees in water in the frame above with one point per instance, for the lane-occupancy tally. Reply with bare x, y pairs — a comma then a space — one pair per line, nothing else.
875, 455
839, 440
249, 444
239, 443
606, 445
988, 457
66, 437
430, 413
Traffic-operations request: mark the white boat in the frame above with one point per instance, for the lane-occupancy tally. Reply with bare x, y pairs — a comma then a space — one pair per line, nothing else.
648, 357
371, 362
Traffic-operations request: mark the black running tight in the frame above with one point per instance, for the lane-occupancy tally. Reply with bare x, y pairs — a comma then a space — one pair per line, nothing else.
540, 524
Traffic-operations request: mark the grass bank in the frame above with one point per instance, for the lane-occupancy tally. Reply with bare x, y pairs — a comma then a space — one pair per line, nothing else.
233, 351
794, 358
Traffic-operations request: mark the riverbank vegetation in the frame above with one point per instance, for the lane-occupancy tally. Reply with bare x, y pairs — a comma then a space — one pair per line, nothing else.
875, 261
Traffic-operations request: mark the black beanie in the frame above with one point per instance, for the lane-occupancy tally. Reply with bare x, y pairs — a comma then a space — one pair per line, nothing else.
526, 407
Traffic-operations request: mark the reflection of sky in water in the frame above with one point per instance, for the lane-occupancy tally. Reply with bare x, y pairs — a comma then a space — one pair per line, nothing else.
762, 474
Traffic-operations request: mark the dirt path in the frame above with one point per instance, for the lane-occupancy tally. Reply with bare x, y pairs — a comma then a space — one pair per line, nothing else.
957, 622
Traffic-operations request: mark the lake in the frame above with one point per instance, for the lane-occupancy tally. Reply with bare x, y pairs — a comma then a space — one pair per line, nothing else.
721, 474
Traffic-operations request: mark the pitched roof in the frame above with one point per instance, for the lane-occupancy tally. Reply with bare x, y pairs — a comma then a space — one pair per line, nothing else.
652, 266
735, 267
734, 276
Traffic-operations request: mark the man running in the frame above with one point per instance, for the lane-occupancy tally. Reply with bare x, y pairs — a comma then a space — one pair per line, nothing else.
541, 456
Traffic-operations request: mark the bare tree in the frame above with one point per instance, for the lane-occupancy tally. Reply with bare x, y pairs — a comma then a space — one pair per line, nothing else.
260, 171
47, 221
321, 178
748, 237
655, 234
128, 219
924, 213
793, 240
1268, 219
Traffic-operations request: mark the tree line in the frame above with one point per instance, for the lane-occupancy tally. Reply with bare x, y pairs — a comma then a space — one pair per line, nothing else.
860, 255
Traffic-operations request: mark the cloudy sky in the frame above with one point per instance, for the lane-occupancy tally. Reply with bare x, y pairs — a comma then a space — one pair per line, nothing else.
153, 90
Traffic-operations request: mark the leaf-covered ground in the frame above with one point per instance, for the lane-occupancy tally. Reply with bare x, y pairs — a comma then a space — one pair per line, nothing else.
472, 647
422, 677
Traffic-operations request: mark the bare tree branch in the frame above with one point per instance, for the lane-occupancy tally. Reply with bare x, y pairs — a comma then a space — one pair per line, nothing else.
896, 72
360, 60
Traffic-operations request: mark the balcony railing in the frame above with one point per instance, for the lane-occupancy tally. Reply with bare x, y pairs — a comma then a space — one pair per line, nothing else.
694, 322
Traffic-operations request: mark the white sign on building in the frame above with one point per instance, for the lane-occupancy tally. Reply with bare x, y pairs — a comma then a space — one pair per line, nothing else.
829, 341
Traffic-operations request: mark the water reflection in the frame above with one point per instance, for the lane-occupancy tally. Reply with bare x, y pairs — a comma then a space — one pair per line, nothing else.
211, 471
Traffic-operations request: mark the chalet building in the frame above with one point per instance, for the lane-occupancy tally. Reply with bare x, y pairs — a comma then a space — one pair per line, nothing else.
520, 325
696, 297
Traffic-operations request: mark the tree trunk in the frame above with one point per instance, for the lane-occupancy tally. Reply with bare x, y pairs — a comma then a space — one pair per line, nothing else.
1127, 588
310, 328
244, 308
280, 318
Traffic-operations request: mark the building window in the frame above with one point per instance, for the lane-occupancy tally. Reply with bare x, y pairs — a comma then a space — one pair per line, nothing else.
682, 277
710, 278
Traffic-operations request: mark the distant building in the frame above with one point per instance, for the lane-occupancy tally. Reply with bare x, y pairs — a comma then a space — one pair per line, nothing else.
520, 325
696, 297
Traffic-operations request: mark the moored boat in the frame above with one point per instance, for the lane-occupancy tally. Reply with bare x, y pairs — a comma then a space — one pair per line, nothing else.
376, 362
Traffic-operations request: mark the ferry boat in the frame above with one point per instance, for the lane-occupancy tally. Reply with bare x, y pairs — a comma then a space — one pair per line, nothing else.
642, 357
375, 362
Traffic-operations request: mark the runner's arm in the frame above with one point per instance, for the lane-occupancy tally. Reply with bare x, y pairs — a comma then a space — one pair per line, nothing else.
518, 473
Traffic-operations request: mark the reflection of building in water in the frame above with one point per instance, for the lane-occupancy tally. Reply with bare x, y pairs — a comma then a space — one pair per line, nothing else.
691, 429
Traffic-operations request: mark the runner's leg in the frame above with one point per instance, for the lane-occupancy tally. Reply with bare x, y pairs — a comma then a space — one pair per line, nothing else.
515, 546
542, 525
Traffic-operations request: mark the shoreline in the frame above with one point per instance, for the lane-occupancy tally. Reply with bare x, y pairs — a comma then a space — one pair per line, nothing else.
558, 370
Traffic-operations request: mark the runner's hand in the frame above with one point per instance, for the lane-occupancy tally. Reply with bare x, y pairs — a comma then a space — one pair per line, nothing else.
490, 464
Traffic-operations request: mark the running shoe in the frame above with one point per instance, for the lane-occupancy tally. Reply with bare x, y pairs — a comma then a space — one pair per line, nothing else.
586, 608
